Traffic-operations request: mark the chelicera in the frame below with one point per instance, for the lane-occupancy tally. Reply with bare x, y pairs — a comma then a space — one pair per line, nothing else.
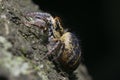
63, 44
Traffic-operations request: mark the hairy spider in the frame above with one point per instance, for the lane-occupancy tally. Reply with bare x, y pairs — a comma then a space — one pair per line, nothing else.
63, 44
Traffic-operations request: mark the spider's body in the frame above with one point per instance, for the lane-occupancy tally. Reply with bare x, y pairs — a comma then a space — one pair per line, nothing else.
63, 44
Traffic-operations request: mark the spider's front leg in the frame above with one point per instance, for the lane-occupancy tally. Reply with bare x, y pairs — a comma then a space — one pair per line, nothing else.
38, 19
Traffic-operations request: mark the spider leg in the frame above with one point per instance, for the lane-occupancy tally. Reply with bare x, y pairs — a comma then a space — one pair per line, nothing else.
37, 22
53, 49
37, 15
59, 53
38, 19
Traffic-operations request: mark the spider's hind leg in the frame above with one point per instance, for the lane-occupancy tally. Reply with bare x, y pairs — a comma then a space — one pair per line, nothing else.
54, 48
59, 52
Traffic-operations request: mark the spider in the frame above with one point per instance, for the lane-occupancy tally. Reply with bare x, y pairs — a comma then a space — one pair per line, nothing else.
62, 43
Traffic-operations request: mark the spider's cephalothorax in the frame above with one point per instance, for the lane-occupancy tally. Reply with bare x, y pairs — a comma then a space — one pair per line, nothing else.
63, 44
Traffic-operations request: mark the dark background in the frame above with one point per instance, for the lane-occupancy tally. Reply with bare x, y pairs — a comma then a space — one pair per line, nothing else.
97, 25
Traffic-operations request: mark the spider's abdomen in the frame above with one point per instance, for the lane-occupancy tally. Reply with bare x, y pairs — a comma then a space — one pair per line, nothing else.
71, 55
